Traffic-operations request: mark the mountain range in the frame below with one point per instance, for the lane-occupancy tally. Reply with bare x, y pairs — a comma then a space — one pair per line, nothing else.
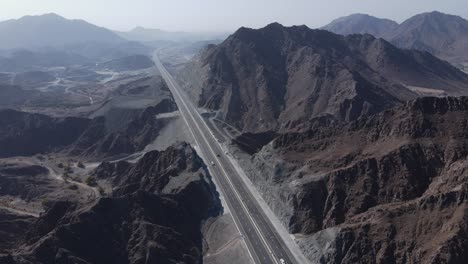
152, 35
278, 78
51, 30
446, 36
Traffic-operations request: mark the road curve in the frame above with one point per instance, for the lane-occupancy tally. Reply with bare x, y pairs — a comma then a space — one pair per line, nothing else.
264, 243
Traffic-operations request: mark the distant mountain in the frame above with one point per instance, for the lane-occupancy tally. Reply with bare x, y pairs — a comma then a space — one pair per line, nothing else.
151, 35
278, 78
20, 60
360, 24
445, 36
51, 30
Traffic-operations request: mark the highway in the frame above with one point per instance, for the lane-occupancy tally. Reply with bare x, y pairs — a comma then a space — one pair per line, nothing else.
263, 242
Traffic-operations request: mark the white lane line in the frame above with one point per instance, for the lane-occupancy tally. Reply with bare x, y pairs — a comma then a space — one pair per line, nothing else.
219, 163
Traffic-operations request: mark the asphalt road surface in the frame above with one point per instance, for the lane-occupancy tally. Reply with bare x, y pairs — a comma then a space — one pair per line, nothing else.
263, 242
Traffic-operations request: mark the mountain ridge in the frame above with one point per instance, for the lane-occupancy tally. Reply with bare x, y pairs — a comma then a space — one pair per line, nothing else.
259, 79
444, 35
51, 30
360, 24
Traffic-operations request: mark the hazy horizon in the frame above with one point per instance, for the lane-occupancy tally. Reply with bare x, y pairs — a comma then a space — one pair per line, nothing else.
221, 16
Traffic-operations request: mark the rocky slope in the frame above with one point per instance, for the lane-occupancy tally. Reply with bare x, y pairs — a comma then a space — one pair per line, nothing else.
361, 24
445, 36
278, 78
17, 179
154, 214
388, 188
28, 134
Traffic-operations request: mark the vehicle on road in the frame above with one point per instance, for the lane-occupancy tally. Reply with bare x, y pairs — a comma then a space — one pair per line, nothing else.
212, 163
282, 261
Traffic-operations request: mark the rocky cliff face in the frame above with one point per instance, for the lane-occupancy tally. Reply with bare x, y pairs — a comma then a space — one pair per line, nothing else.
278, 78
153, 215
389, 188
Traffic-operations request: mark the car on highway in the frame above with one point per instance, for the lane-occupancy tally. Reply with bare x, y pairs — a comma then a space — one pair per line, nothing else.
282, 261
212, 163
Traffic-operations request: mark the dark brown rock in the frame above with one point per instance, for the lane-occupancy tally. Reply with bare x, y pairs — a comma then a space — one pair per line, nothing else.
154, 215
392, 185
280, 78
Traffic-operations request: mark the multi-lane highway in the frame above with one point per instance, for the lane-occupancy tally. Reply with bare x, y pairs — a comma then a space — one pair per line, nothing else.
264, 243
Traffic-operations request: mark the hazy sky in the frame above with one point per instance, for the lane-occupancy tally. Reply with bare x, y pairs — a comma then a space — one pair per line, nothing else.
222, 15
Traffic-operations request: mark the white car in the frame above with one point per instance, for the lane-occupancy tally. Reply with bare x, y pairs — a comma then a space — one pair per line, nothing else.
212, 163
282, 261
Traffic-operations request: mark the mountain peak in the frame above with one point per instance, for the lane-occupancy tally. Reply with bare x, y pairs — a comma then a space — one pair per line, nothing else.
274, 25
51, 15
361, 24
46, 16
436, 13
435, 16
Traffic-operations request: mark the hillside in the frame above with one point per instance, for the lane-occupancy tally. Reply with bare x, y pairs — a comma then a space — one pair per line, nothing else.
393, 183
24, 134
445, 36
153, 214
278, 78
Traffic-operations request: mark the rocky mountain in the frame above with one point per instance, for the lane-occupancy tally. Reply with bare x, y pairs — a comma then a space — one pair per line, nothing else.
278, 78
445, 36
361, 24
51, 30
28, 134
388, 188
154, 215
